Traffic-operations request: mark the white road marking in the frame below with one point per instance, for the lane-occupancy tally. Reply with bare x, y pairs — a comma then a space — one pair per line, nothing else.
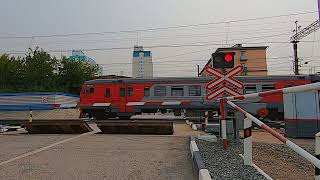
45, 148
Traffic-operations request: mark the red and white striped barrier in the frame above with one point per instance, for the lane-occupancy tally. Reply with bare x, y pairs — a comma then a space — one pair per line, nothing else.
294, 89
290, 144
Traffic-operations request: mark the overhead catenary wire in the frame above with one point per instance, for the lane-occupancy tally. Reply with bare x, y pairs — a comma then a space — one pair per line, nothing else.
157, 28
194, 44
156, 38
152, 47
182, 61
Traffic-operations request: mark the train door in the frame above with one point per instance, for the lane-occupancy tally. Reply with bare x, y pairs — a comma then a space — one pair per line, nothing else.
108, 95
306, 114
122, 98
125, 96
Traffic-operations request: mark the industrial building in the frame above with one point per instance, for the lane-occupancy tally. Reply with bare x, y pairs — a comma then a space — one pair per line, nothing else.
253, 59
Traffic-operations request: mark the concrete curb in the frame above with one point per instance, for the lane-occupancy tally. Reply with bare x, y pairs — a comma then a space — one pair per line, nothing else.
198, 164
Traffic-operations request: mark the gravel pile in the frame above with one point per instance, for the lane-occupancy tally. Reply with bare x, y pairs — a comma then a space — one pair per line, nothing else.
225, 164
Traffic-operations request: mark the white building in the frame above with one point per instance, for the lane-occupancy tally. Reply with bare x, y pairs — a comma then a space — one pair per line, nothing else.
142, 66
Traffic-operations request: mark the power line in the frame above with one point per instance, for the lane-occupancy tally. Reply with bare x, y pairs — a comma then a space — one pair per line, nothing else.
155, 29
195, 44
180, 61
179, 45
163, 37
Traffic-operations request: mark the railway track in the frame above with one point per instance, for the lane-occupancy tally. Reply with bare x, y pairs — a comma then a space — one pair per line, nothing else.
136, 126
50, 126
78, 126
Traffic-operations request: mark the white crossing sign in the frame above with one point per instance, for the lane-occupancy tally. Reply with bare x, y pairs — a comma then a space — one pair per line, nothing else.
224, 79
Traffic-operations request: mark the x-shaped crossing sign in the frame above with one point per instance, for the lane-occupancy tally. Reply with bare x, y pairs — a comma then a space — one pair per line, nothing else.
223, 79
222, 90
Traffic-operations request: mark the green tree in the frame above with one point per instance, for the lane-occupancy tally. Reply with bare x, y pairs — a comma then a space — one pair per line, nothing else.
11, 69
73, 73
38, 71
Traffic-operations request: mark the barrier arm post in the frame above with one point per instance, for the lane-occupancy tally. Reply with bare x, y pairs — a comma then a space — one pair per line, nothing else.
206, 117
223, 123
290, 144
247, 142
30, 115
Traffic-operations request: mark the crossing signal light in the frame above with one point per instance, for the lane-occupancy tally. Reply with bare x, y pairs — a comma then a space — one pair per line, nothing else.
223, 60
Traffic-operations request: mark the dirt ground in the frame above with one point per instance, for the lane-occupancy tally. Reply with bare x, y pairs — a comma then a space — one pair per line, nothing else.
41, 114
182, 129
280, 162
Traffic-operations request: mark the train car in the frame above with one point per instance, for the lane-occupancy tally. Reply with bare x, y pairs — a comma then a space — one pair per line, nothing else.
109, 98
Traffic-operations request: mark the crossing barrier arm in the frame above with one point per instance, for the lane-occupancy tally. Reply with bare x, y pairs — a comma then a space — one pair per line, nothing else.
294, 89
290, 144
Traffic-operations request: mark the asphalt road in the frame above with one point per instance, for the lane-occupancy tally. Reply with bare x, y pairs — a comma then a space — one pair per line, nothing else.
98, 156
16, 144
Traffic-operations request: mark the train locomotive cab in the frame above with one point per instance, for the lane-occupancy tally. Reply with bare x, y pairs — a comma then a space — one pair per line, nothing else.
109, 99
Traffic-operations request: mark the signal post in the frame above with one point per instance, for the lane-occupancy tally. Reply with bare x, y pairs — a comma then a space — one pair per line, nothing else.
223, 84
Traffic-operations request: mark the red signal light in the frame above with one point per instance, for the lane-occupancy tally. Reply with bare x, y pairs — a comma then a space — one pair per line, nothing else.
228, 57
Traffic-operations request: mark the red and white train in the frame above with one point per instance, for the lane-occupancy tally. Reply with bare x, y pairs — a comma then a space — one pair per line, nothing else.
110, 98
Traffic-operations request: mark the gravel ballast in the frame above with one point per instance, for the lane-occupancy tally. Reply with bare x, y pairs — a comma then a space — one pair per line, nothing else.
225, 164
282, 163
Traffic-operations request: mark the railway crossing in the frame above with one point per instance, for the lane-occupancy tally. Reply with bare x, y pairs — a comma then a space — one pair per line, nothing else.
219, 85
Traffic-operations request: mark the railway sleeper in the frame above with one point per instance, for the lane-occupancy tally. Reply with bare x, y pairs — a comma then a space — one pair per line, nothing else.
57, 127
136, 127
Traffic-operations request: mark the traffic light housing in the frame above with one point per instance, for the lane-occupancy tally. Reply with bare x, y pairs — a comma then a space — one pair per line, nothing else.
223, 60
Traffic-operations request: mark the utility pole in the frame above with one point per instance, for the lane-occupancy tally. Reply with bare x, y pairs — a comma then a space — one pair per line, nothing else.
295, 49
198, 70
313, 27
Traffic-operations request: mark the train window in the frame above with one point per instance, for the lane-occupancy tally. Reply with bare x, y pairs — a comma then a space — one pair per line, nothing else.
243, 56
195, 90
267, 87
108, 93
89, 89
160, 91
130, 91
177, 91
146, 92
86, 90
250, 89
122, 92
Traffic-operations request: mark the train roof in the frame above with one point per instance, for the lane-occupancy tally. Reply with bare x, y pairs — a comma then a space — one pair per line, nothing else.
199, 79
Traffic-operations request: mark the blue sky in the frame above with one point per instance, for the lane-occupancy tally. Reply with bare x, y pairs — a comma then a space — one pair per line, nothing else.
44, 17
